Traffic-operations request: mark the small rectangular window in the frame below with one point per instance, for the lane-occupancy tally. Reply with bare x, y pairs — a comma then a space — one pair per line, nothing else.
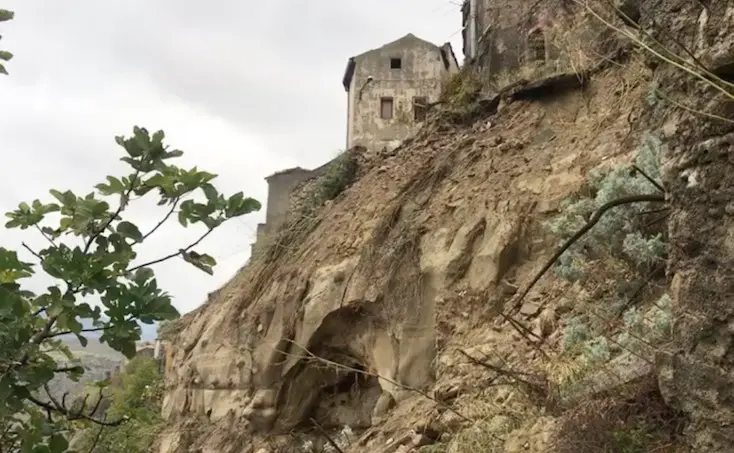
420, 108
386, 108
396, 63
536, 46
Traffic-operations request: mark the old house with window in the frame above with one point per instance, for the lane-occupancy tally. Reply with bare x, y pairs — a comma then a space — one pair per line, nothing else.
389, 88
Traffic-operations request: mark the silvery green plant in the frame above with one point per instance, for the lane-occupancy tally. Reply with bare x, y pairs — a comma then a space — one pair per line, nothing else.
617, 231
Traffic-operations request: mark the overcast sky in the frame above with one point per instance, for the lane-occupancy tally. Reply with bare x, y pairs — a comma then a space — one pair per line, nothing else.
244, 88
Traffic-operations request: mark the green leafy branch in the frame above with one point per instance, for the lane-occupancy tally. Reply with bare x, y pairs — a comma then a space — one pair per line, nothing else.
91, 252
5, 56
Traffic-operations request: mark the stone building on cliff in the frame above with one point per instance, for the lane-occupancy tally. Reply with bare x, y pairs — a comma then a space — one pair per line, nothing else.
499, 38
389, 87
388, 90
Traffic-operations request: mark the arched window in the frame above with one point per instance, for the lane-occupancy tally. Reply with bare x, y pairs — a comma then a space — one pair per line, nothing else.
536, 46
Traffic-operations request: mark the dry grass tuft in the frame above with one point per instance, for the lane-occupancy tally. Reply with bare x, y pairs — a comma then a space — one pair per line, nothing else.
638, 423
493, 423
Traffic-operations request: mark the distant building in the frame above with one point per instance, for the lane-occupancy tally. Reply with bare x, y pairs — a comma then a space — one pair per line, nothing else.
145, 350
389, 87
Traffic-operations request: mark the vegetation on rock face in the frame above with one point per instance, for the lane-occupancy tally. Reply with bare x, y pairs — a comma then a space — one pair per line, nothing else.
624, 241
90, 254
136, 395
639, 423
5, 56
620, 232
340, 173
460, 94
626, 245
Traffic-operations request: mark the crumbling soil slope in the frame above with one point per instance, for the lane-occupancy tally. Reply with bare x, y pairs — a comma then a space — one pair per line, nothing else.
380, 322
404, 271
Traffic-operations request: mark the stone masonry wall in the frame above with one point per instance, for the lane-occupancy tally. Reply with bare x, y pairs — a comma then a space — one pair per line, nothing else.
283, 187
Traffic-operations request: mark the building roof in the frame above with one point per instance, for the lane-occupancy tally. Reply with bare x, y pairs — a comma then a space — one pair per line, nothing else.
352, 62
448, 56
287, 171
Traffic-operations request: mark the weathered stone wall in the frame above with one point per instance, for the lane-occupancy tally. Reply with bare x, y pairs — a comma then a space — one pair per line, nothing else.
497, 33
283, 188
280, 187
424, 69
508, 41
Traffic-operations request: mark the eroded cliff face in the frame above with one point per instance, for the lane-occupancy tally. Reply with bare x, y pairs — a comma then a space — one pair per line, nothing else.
698, 376
409, 263
364, 315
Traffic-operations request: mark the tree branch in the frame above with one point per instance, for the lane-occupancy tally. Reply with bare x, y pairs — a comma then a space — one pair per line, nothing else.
326, 435
649, 178
593, 220
172, 255
27, 247
67, 332
51, 241
98, 436
163, 220
123, 202
59, 408
68, 369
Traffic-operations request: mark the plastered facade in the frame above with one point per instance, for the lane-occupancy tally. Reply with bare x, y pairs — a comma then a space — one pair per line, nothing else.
372, 77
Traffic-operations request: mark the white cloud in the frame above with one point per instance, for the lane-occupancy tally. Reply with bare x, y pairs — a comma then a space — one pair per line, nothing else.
244, 88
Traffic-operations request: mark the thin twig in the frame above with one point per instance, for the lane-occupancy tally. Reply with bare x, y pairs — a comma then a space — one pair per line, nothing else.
69, 369
67, 332
172, 255
98, 436
649, 178
366, 373
70, 416
46, 236
27, 247
525, 333
124, 199
163, 220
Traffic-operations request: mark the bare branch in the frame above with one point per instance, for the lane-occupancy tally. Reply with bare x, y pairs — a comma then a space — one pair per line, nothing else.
97, 437
33, 252
338, 365
326, 435
46, 236
69, 369
649, 178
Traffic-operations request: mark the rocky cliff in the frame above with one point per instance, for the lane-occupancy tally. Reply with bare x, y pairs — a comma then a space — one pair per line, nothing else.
394, 316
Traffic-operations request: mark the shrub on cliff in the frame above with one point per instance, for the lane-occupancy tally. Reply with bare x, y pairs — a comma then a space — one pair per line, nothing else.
460, 94
90, 254
136, 396
620, 233
338, 176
